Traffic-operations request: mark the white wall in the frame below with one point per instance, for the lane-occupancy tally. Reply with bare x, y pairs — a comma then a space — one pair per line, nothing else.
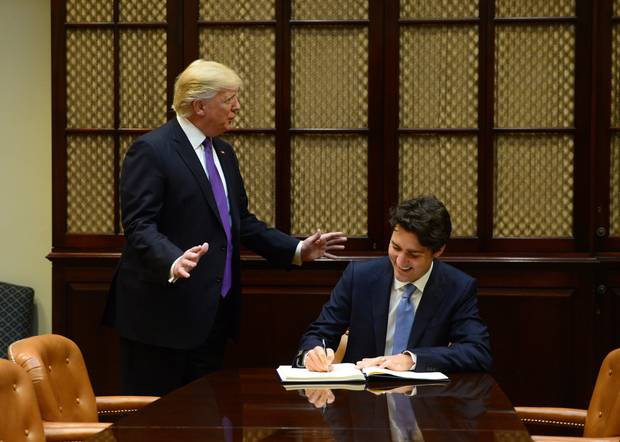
25, 150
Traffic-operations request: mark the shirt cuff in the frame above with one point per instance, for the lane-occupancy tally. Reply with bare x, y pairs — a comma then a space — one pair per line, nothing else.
297, 257
171, 278
413, 358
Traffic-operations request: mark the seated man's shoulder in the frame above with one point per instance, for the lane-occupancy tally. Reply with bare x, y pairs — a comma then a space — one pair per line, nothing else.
451, 272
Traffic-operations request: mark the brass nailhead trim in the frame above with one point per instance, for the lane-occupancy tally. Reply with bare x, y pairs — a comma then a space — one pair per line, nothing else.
552, 422
123, 411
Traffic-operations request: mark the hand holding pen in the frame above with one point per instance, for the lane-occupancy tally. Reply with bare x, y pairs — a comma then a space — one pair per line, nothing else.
320, 358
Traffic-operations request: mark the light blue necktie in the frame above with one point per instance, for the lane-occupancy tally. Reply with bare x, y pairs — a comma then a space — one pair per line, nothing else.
222, 206
404, 320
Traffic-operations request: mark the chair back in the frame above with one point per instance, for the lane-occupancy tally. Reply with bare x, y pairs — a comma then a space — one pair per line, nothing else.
603, 418
342, 348
58, 373
16, 308
20, 419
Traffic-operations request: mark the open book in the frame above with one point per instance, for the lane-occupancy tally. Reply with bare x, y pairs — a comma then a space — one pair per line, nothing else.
348, 373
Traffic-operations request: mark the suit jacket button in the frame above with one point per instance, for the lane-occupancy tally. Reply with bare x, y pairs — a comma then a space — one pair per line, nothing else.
223, 248
218, 279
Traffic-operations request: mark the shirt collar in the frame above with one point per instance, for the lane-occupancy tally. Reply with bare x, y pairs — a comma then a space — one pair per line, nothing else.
193, 134
420, 284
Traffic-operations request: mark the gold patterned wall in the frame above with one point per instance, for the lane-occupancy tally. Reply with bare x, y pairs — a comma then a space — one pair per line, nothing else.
257, 161
329, 10
91, 79
533, 186
534, 76
238, 10
329, 77
329, 184
534, 8
148, 11
90, 184
439, 76
444, 166
422, 9
614, 197
90, 11
615, 76
142, 91
250, 51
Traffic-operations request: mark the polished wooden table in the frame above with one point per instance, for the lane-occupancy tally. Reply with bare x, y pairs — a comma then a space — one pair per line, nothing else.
252, 405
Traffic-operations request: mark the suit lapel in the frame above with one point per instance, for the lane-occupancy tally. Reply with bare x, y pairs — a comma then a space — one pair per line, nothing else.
380, 289
188, 155
430, 303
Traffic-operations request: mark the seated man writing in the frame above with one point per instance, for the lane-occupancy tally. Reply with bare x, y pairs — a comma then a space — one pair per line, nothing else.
405, 311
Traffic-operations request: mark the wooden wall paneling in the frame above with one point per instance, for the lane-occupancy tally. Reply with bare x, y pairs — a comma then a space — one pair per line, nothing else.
80, 290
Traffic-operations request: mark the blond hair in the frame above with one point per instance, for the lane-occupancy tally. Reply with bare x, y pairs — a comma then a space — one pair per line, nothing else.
202, 80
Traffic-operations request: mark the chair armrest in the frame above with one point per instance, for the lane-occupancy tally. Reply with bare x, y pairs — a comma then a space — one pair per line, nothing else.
72, 431
571, 417
107, 405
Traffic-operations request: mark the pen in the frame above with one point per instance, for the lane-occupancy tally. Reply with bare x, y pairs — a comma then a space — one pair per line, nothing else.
325, 350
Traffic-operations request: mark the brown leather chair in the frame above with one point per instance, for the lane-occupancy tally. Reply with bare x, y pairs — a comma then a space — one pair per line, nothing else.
600, 422
58, 373
20, 419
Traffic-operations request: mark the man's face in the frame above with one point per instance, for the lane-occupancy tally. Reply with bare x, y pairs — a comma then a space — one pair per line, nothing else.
409, 258
215, 115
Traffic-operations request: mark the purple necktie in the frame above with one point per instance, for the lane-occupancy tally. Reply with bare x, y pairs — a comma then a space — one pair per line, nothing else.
222, 208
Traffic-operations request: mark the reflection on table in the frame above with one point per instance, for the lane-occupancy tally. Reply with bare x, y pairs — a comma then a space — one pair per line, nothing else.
252, 405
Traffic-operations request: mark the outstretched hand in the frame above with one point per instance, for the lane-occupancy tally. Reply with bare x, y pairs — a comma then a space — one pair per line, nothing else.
186, 263
321, 244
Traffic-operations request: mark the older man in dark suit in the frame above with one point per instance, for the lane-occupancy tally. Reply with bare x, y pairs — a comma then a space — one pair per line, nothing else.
185, 213
407, 311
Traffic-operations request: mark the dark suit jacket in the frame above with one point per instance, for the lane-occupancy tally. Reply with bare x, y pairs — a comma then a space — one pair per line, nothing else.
167, 207
447, 334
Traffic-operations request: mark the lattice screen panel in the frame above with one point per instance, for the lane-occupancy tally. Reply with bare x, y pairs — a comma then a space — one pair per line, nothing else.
329, 10
125, 142
329, 190
439, 76
533, 186
421, 9
535, 75
238, 10
615, 75
142, 91
534, 8
329, 76
257, 159
614, 196
251, 53
90, 78
142, 11
90, 184
81, 11
444, 166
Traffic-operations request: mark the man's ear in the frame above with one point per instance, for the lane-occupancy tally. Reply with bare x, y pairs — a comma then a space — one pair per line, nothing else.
439, 252
198, 107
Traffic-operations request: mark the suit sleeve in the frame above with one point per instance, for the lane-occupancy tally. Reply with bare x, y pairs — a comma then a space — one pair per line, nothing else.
334, 318
468, 347
143, 189
272, 244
